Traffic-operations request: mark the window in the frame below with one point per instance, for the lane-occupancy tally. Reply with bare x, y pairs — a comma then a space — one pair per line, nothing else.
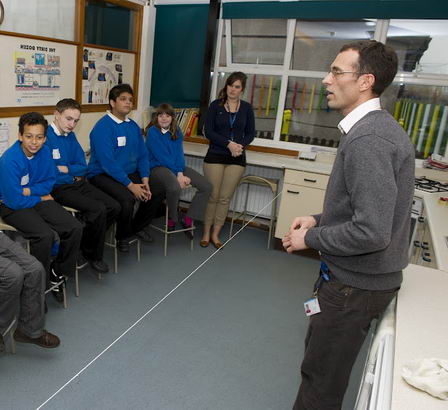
101, 22
51, 18
286, 60
420, 45
422, 110
306, 117
316, 43
258, 41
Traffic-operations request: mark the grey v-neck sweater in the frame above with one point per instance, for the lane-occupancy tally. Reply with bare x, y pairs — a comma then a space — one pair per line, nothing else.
363, 231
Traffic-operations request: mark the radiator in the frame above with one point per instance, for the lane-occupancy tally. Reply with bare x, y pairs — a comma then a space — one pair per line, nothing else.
258, 196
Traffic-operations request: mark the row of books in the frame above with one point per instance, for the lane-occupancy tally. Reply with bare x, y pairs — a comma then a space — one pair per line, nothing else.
187, 120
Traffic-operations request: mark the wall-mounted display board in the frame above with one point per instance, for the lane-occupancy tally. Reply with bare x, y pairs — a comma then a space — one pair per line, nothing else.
101, 70
35, 72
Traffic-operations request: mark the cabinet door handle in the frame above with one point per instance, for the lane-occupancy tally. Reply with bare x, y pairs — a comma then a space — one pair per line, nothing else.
310, 180
421, 219
425, 247
426, 259
293, 192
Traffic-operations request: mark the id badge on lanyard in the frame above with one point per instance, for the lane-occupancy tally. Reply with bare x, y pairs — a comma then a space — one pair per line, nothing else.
311, 306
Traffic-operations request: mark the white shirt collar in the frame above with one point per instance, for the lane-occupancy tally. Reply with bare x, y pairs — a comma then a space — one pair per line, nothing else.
359, 112
116, 119
56, 130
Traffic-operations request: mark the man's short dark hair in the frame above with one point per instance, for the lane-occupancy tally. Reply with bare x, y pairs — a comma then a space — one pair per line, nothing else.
32, 118
119, 89
377, 59
68, 104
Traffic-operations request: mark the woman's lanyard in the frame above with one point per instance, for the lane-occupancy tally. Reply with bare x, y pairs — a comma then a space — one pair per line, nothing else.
232, 118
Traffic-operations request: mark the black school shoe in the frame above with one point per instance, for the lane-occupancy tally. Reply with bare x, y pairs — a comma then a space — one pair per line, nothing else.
55, 279
144, 236
123, 245
100, 266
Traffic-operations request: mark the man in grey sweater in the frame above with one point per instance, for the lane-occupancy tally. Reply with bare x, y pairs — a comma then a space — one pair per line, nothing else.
363, 231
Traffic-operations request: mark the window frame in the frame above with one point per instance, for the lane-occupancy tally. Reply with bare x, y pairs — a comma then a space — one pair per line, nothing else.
79, 43
284, 71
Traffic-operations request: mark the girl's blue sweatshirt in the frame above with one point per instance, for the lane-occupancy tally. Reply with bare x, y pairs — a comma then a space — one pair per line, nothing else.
164, 151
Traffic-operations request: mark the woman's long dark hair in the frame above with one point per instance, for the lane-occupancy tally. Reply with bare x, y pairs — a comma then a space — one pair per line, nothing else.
164, 108
235, 76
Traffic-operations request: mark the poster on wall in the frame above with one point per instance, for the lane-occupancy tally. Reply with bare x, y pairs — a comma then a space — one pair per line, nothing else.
4, 137
38, 75
36, 72
102, 70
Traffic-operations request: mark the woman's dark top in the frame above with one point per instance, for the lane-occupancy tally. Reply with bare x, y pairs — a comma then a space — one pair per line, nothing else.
219, 132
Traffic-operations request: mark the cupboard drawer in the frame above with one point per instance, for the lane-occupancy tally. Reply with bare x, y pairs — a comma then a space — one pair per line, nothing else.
297, 201
309, 179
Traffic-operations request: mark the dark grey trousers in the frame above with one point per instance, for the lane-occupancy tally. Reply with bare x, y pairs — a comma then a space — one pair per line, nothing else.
162, 177
22, 287
333, 341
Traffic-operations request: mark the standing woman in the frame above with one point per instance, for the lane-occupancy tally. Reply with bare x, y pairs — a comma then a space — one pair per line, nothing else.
230, 127
168, 171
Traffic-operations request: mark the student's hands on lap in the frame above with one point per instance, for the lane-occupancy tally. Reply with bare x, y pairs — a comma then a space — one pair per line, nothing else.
183, 180
139, 191
145, 183
26, 192
63, 169
47, 198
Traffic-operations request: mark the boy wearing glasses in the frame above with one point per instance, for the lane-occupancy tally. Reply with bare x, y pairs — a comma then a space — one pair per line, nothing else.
362, 233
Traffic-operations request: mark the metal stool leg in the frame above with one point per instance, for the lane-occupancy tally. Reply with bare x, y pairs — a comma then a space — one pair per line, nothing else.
235, 201
76, 282
165, 249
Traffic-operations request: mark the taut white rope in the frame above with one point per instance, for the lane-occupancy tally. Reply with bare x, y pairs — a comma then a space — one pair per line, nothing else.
154, 306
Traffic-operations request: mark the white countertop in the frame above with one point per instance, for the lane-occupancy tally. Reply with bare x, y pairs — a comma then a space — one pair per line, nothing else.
421, 332
267, 160
437, 214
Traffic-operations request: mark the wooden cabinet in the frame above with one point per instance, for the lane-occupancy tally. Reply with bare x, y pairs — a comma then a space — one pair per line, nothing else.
303, 194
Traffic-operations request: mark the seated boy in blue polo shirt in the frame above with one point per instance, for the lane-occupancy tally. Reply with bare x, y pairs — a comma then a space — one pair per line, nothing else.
27, 176
97, 209
119, 166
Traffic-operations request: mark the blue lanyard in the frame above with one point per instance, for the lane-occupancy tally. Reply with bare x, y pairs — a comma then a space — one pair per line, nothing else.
232, 119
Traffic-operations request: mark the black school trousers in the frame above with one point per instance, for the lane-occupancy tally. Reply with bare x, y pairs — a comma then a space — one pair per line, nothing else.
39, 224
97, 210
128, 223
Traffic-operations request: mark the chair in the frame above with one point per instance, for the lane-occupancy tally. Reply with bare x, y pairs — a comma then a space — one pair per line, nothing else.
10, 332
6, 227
112, 243
166, 232
249, 180
74, 211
